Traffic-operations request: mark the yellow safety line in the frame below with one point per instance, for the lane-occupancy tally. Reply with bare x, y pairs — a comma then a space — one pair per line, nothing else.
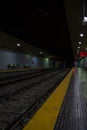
45, 118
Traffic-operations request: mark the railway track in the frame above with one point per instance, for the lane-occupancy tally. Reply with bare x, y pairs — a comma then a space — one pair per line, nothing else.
14, 87
10, 79
25, 100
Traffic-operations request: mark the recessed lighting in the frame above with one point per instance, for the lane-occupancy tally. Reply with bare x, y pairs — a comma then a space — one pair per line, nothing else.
80, 42
81, 34
86, 48
85, 19
18, 44
78, 47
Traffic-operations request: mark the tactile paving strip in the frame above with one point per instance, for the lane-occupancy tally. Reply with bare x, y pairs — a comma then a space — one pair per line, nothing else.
73, 114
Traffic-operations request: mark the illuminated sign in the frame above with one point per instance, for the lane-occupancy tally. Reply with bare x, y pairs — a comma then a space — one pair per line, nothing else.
83, 54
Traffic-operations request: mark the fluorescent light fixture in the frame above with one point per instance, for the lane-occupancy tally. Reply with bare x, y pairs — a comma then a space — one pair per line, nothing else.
81, 34
80, 42
85, 19
18, 44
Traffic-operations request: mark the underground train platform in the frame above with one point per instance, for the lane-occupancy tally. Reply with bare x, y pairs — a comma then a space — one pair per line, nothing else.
43, 65
39, 104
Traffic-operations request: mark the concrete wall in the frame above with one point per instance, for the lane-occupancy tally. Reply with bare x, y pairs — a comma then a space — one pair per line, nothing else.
10, 57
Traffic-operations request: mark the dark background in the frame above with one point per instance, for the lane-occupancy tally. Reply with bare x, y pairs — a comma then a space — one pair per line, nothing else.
40, 23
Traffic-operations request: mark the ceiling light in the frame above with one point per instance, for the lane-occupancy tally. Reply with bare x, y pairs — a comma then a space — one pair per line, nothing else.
18, 44
78, 47
80, 42
85, 19
81, 34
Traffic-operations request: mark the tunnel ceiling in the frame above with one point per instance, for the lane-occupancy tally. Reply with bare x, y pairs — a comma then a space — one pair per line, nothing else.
40, 23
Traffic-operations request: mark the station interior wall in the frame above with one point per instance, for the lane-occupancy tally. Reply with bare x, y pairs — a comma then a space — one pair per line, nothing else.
10, 57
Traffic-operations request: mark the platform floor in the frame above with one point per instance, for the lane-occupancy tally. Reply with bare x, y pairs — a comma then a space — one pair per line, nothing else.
73, 114
66, 108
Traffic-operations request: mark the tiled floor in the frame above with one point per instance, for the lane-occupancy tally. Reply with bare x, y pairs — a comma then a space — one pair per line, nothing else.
73, 114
